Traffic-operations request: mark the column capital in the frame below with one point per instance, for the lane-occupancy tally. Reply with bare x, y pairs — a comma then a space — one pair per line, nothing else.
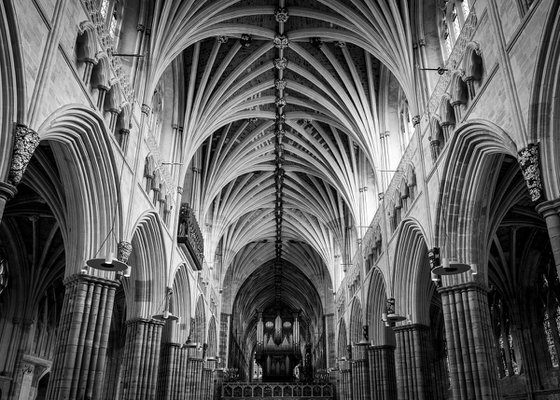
79, 278
549, 207
141, 320
464, 286
7, 191
410, 327
381, 347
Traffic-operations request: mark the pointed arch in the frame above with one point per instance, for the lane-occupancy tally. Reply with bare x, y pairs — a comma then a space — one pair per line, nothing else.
468, 171
181, 303
412, 271
212, 338
145, 291
375, 307
198, 335
90, 179
342, 350
356, 321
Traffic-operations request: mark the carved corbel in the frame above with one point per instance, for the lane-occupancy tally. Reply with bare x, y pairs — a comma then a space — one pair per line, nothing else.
528, 159
26, 141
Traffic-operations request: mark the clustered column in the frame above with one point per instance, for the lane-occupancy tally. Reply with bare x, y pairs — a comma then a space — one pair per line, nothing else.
195, 365
142, 356
470, 349
360, 374
412, 363
383, 380
345, 389
172, 380
79, 361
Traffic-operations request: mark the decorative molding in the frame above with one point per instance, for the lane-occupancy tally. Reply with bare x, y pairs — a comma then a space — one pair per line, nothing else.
280, 63
281, 14
222, 39
281, 41
280, 84
280, 102
528, 159
145, 109
26, 141
245, 40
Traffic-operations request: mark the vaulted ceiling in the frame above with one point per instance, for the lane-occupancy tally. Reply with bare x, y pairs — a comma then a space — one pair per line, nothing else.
281, 105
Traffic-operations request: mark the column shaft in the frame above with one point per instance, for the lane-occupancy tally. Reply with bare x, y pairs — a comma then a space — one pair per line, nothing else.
550, 210
383, 380
141, 363
469, 342
412, 363
79, 360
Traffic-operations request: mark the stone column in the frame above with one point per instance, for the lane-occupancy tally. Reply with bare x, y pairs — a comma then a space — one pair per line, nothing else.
470, 348
81, 346
193, 373
383, 381
141, 363
550, 210
360, 379
330, 355
345, 381
170, 386
225, 320
208, 380
412, 363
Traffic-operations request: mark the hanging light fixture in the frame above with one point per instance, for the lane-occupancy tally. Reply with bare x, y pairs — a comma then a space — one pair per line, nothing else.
166, 315
125, 248
107, 264
444, 266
